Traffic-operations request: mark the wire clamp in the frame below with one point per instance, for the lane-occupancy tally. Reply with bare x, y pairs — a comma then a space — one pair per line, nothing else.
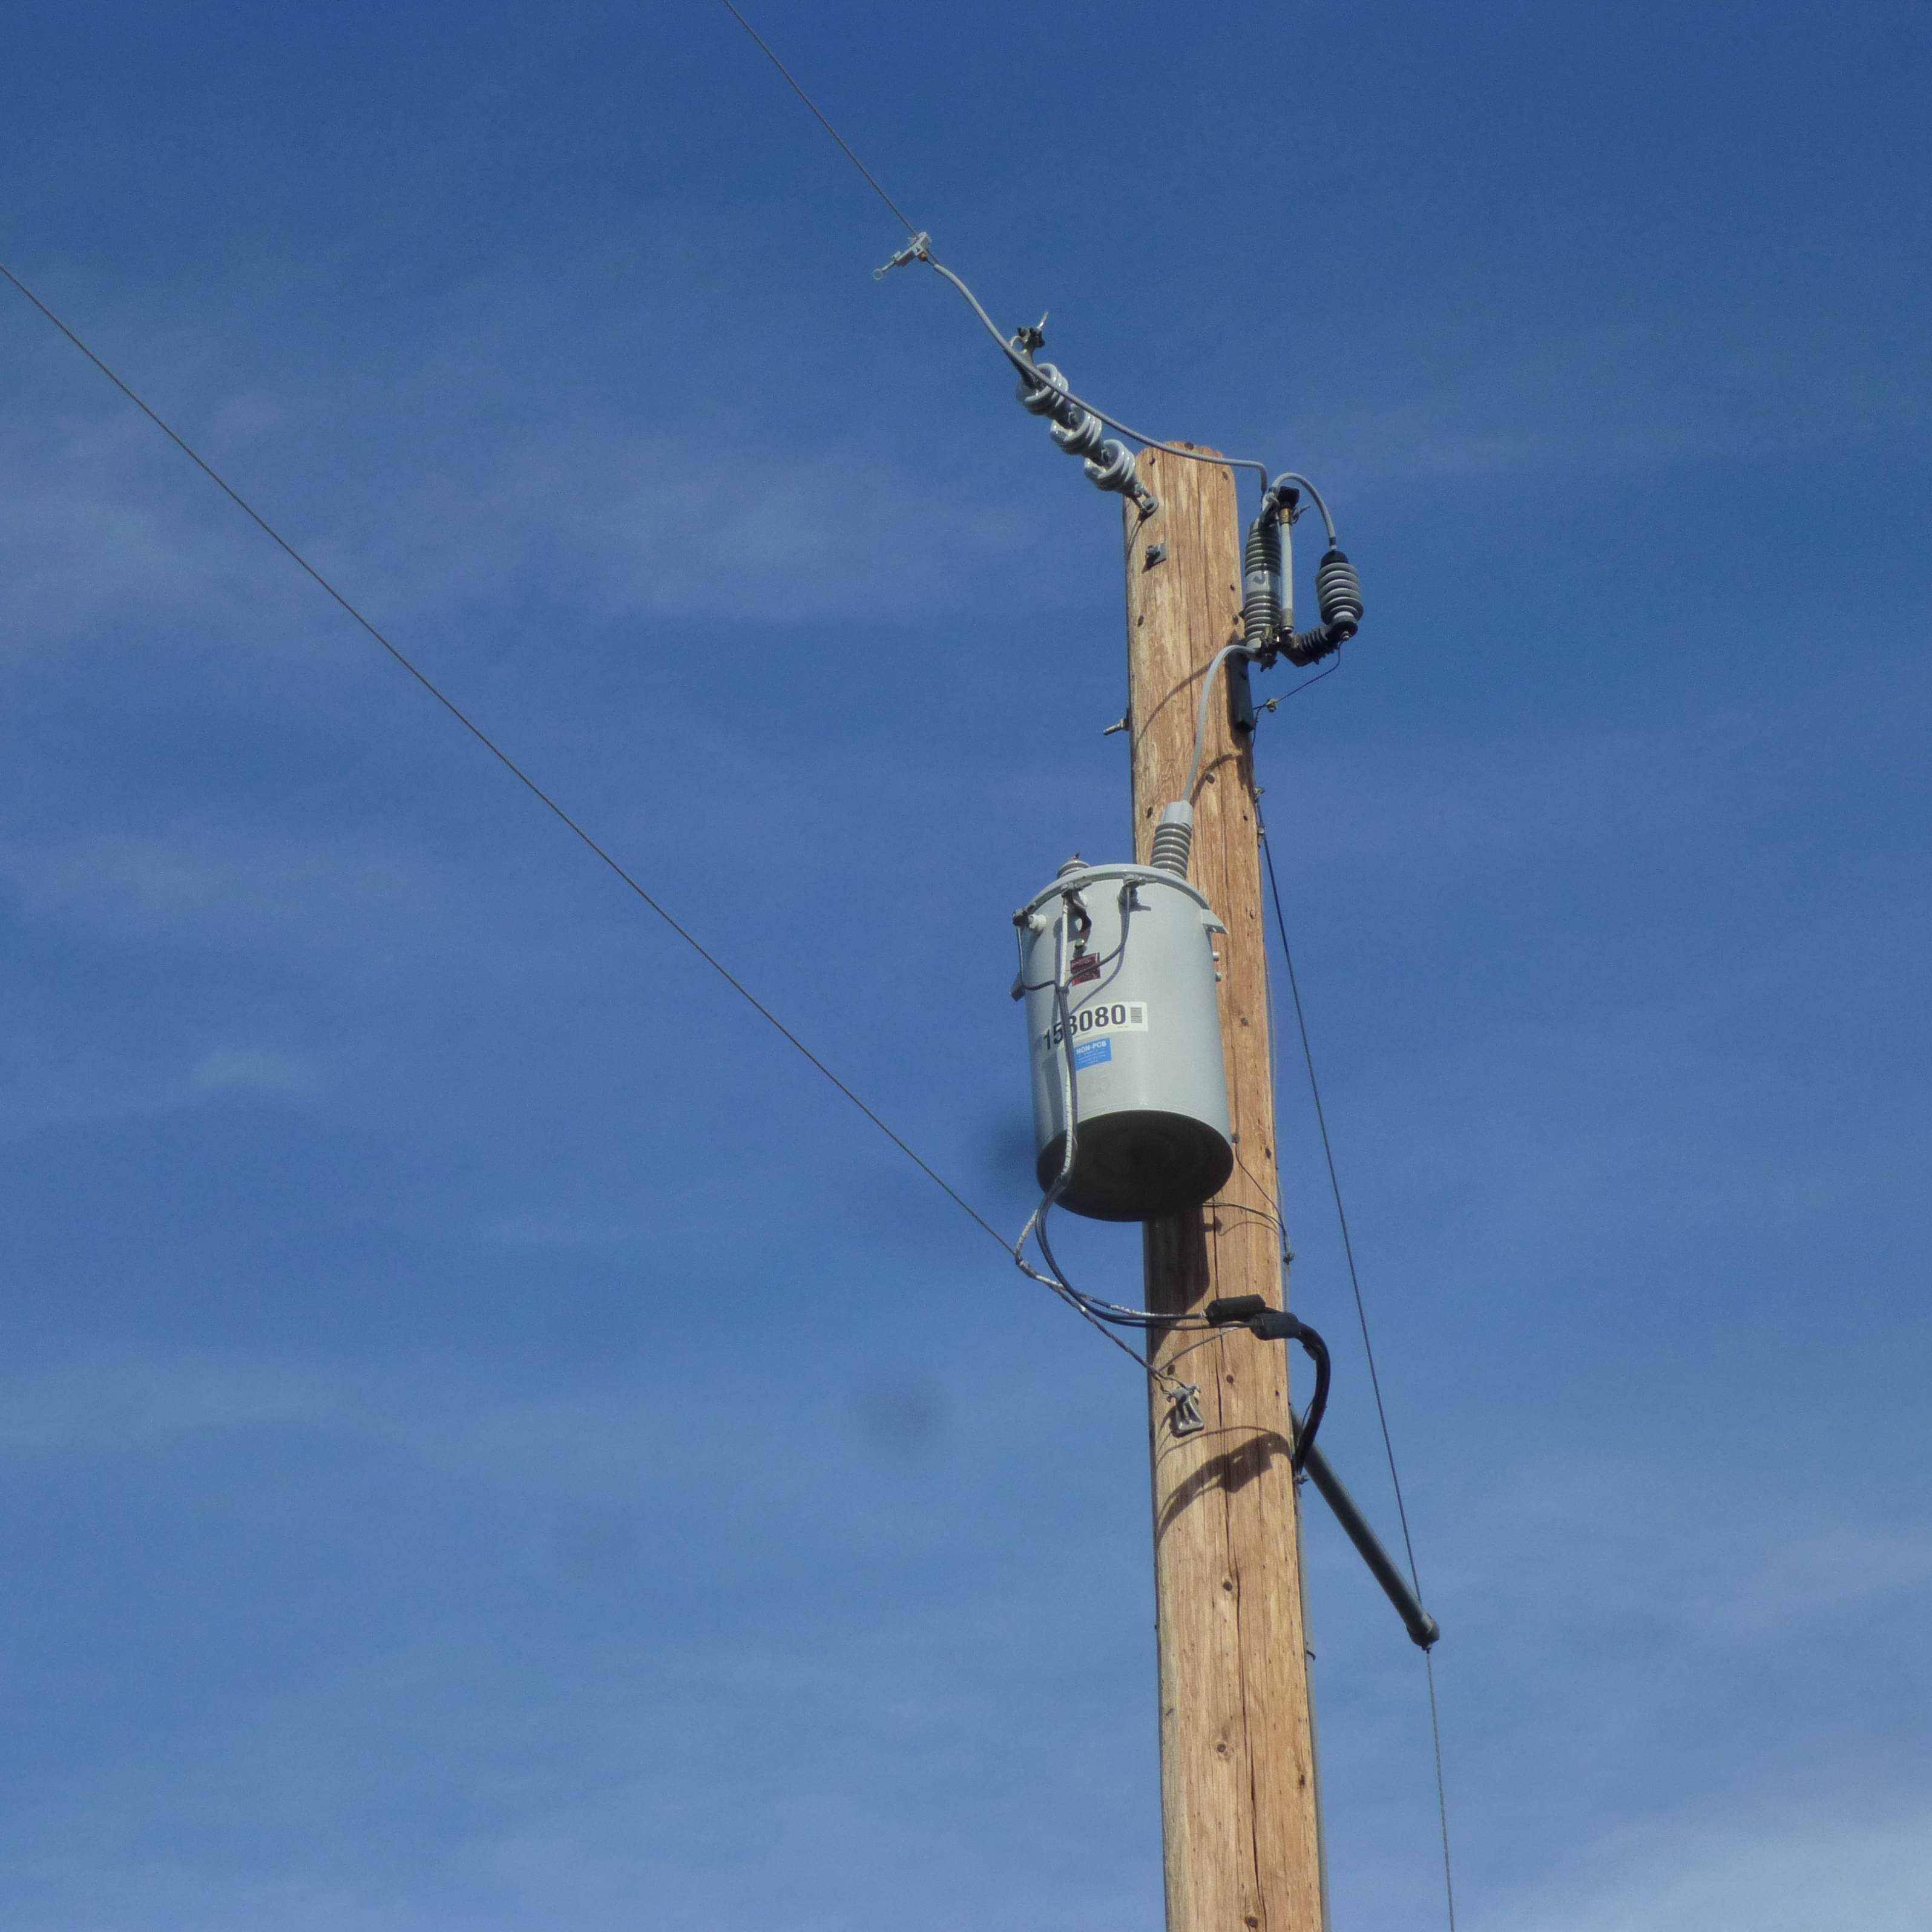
1183, 1413
919, 249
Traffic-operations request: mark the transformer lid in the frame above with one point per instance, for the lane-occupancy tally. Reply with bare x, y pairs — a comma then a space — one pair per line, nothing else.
1074, 878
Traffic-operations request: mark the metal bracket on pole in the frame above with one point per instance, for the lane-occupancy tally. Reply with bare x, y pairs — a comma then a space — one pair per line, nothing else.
1241, 696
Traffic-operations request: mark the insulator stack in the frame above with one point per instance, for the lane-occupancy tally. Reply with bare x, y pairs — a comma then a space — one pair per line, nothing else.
1340, 592
1174, 839
1083, 436
1261, 576
1079, 432
1042, 398
1112, 467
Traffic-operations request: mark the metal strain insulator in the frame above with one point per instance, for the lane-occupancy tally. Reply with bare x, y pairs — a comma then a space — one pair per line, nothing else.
1112, 469
1174, 839
1041, 399
1340, 592
1260, 571
1082, 436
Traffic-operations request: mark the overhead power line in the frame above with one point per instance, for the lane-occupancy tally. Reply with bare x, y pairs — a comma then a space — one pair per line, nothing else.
918, 248
872, 181
503, 758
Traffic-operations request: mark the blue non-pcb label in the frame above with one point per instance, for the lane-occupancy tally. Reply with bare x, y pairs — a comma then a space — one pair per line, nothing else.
1093, 1053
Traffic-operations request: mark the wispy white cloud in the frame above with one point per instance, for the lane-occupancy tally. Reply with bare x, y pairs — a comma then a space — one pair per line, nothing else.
49, 1083
1794, 1873
257, 1069
111, 1407
128, 1404
434, 479
1622, 398
225, 886
1732, 1569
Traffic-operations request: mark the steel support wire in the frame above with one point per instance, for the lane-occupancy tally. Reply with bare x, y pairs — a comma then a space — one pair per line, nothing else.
1368, 1347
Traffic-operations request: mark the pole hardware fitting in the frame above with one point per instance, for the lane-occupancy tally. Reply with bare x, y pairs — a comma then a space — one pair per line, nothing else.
1276, 1324
1184, 1414
919, 249
1155, 554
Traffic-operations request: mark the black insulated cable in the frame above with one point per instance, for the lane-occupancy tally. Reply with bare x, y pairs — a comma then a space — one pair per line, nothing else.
1422, 1629
1276, 1324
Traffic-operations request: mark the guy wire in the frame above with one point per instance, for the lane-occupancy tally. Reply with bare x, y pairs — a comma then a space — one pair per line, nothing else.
1362, 1317
1335, 1187
1442, 1790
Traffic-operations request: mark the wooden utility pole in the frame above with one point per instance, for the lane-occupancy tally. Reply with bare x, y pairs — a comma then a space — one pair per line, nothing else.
1237, 1778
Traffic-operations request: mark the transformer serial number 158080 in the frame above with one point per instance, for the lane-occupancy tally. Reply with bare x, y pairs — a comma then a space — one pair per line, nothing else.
1107, 1016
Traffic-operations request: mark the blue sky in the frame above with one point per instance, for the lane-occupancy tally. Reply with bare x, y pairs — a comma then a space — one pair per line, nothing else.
487, 1438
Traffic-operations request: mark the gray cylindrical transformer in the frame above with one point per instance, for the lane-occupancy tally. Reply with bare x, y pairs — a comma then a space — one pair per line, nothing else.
1136, 948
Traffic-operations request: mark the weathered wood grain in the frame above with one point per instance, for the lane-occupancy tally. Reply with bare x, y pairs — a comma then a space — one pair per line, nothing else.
1236, 1775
